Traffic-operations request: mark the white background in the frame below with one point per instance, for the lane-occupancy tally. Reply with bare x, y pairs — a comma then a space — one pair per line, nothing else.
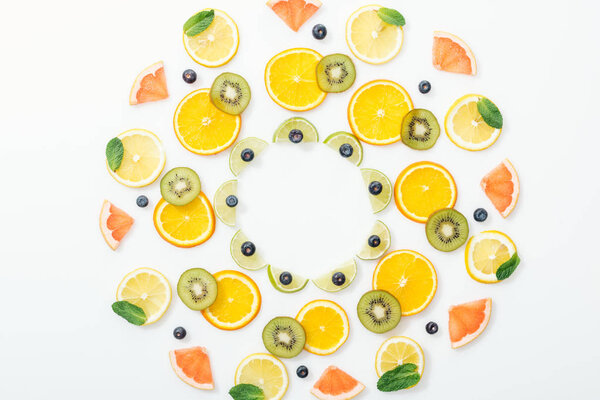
67, 67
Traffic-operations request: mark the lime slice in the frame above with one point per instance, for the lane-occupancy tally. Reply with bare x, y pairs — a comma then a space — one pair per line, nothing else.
245, 254
296, 130
225, 202
244, 152
377, 243
346, 145
379, 188
347, 271
296, 283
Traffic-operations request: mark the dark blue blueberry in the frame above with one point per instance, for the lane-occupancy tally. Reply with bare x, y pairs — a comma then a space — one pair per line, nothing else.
296, 136
374, 241
346, 150
285, 278
248, 249
231, 200
247, 155
189, 76
480, 215
319, 31
302, 371
141, 201
179, 332
431, 327
424, 87
375, 188
338, 278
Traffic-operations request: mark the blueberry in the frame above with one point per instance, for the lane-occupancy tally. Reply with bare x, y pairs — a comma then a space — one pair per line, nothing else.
302, 371
231, 200
431, 327
346, 150
141, 201
296, 136
179, 332
424, 87
248, 249
374, 241
480, 215
319, 31
338, 279
189, 76
375, 188
285, 278
247, 155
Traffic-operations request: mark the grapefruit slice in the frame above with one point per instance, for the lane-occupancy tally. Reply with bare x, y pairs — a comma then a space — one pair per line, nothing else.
335, 384
150, 85
114, 224
467, 321
192, 366
451, 54
501, 186
294, 12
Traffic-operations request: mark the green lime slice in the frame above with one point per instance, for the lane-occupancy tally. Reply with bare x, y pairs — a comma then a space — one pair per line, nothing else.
225, 202
377, 243
251, 261
296, 284
244, 152
325, 281
379, 198
308, 132
351, 150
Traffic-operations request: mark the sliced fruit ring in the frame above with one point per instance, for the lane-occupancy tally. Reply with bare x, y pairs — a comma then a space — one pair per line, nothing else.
244, 152
197, 288
192, 366
266, 372
451, 54
467, 321
114, 224
238, 301
335, 384
347, 146
485, 253
465, 126
377, 243
296, 130
226, 202
286, 283
326, 326
501, 186
217, 44
284, 337
150, 85
245, 254
446, 229
148, 289
338, 278
379, 188
399, 350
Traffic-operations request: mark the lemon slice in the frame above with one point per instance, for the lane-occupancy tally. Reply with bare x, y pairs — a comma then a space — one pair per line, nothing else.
245, 254
266, 372
332, 281
396, 351
296, 130
379, 188
226, 201
146, 288
217, 44
485, 253
377, 243
244, 152
346, 145
465, 126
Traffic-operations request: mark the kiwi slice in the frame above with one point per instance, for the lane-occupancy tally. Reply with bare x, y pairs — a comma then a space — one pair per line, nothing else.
197, 288
284, 337
230, 93
244, 152
447, 229
180, 186
420, 129
379, 311
335, 73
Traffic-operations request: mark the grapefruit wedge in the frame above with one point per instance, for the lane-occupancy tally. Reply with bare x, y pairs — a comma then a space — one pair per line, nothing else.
467, 321
114, 224
501, 186
150, 85
192, 366
451, 54
294, 12
335, 384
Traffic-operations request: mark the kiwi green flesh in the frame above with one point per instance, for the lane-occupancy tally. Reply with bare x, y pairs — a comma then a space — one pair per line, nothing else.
447, 229
230, 93
180, 186
335, 73
284, 337
420, 129
379, 311
197, 288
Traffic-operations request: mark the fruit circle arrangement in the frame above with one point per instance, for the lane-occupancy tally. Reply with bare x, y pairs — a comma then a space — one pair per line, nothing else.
381, 112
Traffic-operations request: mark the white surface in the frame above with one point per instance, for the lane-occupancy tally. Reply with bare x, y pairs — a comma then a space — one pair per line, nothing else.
66, 72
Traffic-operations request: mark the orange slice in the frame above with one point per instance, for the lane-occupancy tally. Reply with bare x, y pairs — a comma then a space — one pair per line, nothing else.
150, 85
376, 110
294, 12
216, 45
185, 226
326, 326
291, 79
192, 366
451, 54
335, 384
467, 321
114, 224
501, 186
238, 301
409, 276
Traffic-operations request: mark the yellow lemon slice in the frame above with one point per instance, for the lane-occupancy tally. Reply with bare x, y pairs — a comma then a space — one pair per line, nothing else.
217, 44
465, 126
396, 351
266, 372
146, 288
487, 251
326, 326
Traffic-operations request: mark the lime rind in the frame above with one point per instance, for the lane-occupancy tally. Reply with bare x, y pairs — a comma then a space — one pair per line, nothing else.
324, 281
251, 263
372, 253
378, 202
337, 139
236, 164
309, 132
225, 213
298, 282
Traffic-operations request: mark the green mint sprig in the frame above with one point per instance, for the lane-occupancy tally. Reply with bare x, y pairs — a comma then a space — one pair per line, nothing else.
114, 153
508, 267
391, 16
246, 391
132, 313
198, 23
401, 377
490, 113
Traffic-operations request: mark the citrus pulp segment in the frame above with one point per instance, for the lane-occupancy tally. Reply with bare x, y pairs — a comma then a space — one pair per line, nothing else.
467, 321
335, 384
150, 85
501, 186
114, 224
192, 365
294, 12
450, 53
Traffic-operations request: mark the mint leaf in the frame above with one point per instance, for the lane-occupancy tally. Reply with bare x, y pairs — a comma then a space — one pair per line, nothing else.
391, 16
132, 313
114, 153
401, 377
507, 268
246, 391
490, 113
198, 23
